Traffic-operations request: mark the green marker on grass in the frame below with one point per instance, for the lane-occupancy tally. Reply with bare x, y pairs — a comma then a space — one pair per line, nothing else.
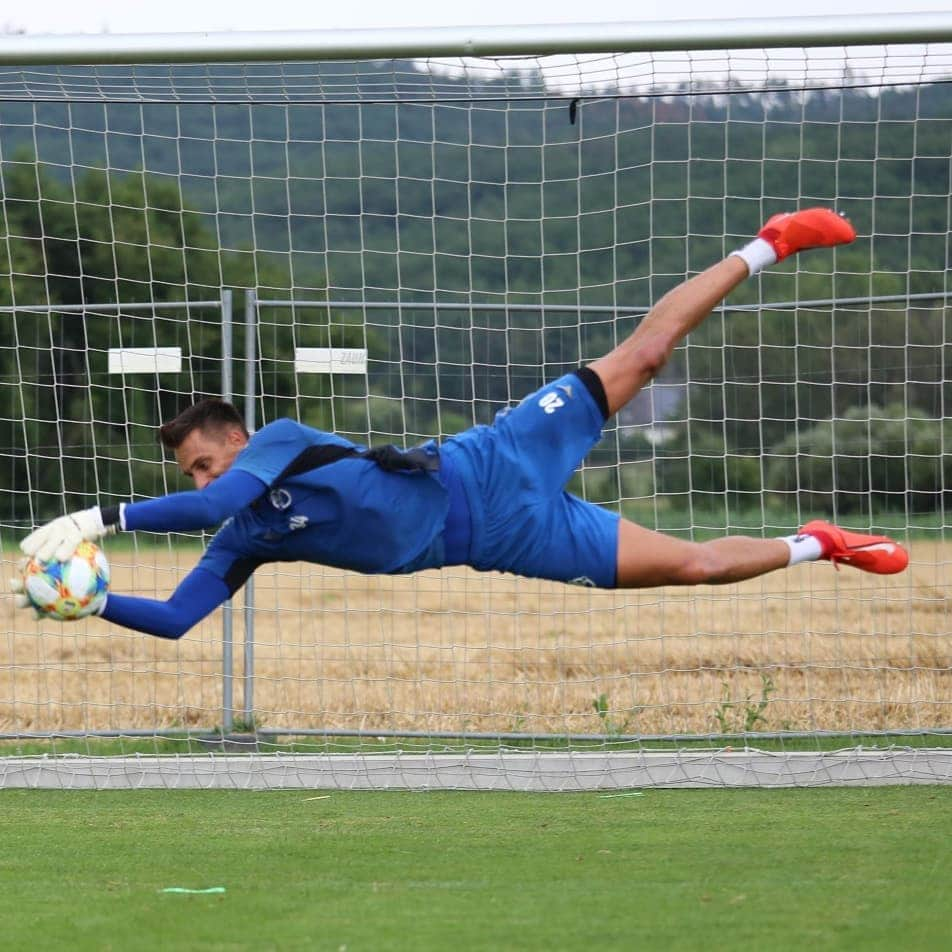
198, 892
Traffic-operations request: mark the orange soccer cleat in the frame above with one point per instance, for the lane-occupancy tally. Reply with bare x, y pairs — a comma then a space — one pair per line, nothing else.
871, 553
790, 232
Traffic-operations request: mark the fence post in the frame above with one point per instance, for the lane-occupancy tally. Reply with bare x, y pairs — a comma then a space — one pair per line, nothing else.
227, 619
251, 362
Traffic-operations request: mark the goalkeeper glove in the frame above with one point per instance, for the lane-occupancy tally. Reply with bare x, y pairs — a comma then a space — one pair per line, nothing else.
57, 540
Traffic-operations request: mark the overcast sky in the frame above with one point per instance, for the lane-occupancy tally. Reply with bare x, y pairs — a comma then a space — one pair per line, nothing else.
168, 16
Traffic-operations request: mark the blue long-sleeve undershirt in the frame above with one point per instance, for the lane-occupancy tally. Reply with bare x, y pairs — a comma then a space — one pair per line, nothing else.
198, 595
195, 509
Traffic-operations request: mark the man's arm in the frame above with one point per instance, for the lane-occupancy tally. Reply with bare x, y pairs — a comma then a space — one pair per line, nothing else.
178, 512
197, 596
193, 509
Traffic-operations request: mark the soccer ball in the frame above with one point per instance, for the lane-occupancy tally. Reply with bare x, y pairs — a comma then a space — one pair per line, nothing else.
71, 589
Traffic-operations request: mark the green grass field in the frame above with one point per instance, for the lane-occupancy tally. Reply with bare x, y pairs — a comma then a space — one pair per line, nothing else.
728, 869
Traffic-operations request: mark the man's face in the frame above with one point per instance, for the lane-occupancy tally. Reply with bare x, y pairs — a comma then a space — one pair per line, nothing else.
204, 455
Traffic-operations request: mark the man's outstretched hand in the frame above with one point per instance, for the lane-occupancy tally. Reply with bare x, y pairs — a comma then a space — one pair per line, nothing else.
57, 540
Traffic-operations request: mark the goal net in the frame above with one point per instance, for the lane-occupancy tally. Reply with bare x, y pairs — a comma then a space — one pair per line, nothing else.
395, 249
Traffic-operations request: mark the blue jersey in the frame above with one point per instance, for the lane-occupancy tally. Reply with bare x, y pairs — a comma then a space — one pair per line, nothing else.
351, 512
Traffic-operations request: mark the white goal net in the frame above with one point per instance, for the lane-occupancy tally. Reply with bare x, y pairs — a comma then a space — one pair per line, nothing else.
395, 250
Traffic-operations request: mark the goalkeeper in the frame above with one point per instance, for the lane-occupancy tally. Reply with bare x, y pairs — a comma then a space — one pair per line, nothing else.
491, 497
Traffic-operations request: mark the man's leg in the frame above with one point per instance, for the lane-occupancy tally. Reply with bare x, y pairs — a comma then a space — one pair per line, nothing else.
632, 364
647, 559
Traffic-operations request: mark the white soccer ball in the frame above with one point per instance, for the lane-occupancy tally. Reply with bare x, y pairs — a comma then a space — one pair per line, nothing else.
71, 589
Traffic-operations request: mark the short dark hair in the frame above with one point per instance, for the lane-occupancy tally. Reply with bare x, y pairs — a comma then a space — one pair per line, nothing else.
212, 413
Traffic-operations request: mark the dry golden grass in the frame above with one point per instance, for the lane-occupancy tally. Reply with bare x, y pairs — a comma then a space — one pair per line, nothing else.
460, 650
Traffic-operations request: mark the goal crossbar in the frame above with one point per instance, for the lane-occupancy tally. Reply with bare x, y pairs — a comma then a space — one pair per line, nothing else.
631, 36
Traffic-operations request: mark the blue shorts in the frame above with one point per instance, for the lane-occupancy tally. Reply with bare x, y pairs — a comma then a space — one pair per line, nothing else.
513, 476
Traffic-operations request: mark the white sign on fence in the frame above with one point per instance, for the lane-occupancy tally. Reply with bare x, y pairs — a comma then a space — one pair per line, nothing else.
145, 360
330, 360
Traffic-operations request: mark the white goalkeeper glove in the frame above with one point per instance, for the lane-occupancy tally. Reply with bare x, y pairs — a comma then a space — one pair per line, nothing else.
57, 540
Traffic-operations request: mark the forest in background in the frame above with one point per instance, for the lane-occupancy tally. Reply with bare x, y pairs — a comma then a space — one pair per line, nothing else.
839, 408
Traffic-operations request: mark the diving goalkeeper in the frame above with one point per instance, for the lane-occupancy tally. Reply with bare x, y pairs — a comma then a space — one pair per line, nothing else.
491, 497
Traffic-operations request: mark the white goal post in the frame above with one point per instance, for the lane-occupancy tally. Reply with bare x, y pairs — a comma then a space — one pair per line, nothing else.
394, 234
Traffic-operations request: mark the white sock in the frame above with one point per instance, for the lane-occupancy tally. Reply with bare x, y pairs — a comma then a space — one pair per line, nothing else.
757, 255
803, 548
